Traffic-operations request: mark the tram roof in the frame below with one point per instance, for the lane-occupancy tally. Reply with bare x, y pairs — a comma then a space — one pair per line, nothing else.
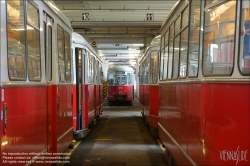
54, 7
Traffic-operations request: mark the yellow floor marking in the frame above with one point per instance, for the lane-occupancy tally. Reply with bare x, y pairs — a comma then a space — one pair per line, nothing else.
77, 143
103, 139
160, 143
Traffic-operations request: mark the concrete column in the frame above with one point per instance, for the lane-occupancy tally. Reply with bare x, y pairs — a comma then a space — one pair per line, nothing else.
105, 67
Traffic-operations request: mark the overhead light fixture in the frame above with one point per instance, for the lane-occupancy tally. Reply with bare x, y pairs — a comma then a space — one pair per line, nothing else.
110, 55
122, 10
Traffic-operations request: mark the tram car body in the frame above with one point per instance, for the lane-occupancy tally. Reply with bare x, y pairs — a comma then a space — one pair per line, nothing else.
204, 83
87, 105
120, 84
148, 84
36, 85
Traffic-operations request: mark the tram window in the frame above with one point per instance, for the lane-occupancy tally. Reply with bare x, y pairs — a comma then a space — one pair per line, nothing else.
20, 65
123, 80
32, 16
49, 52
33, 41
245, 38
111, 78
61, 54
16, 40
117, 79
91, 69
176, 56
208, 2
161, 58
166, 39
87, 66
146, 75
177, 25
161, 64
79, 64
67, 57
129, 78
45, 47
183, 53
184, 20
194, 39
170, 52
141, 75
218, 46
162, 42
154, 67
34, 56
101, 74
165, 57
97, 72
165, 63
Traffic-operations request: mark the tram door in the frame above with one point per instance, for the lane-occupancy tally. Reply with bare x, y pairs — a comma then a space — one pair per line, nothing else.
47, 26
79, 87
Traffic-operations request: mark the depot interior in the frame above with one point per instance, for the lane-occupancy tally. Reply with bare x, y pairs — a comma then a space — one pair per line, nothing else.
118, 30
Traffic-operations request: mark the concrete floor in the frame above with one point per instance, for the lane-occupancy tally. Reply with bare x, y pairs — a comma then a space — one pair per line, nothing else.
120, 138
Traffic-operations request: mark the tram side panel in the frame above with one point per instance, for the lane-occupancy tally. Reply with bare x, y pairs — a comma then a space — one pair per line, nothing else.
96, 100
19, 115
90, 107
204, 117
141, 99
199, 118
181, 119
141, 92
154, 105
64, 117
216, 106
101, 97
146, 98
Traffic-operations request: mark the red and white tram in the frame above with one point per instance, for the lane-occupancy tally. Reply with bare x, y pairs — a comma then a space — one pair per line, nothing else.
120, 84
204, 83
35, 77
148, 84
87, 105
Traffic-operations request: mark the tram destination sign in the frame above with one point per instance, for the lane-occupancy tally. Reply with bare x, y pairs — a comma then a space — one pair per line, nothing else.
120, 72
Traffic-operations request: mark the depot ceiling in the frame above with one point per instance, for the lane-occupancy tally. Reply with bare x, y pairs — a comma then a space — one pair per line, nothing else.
118, 29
